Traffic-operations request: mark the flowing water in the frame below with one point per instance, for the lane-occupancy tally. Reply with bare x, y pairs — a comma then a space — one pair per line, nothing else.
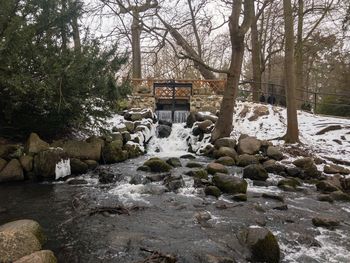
165, 221
180, 116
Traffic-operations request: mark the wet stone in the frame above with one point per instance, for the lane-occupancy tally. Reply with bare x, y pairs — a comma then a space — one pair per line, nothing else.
329, 223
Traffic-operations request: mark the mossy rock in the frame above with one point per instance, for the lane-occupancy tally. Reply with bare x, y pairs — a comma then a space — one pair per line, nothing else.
144, 168
291, 182
240, 197
226, 160
194, 165
212, 190
158, 165
174, 162
230, 184
199, 173
213, 168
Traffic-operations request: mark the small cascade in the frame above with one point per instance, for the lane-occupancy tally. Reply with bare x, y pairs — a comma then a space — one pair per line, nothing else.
164, 115
180, 116
173, 146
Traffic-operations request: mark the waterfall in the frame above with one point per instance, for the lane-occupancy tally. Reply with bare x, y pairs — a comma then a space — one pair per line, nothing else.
173, 146
164, 115
180, 116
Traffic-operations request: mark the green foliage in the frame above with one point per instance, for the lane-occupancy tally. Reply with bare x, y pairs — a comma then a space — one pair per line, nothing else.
334, 105
45, 86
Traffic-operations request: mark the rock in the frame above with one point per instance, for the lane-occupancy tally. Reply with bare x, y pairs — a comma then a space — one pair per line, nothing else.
262, 244
144, 168
340, 196
106, 177
117, 136
240, 197
12, 172
174, 162
281, 208
26, 162
78, 167
230, 184
200, 182
258, 112
119, 129
133, 149
8, 150
163, 131
272, 167
130, 126
288, 184
82, 150
157, 165
226, 160
35, 145
335, 169
77, 182
225, 151
274, 153
42, 256
167, 123
255, 172
325, 198
198, 173
191, 119
202, 216
174, 182
207, 150
217, 259
2, 164
326, 187
212, 190
147, 114
330, 223
25, 225
45, 162
113, 152
200, 116
213, 168
194, 165
92, 164
133, 116
246, 159
308, 166
17, 244
188, 156
152, 189
96, 140
126, 137
274, 197
294, 172
157, 177
249, 145
225, 142
205, 125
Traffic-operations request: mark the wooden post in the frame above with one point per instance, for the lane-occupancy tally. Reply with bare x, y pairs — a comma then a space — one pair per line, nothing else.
172, 85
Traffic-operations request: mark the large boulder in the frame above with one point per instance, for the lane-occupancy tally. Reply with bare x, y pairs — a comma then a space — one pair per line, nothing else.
12, 172
25, 225
26, 162
308, 166
163, 131
78, 166
204, 126
20, 238
35, 145
45, 162
42, 256
262, 244
82, 150
225, 151
246, 159
15, 245
113, 152
230, 184
274, 153
249, 145
225, 142
9, 151
157, 165
2, 164
226, 160
255, 172
213, 168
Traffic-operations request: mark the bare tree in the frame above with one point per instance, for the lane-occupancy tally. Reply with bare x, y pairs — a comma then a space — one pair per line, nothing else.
292, 135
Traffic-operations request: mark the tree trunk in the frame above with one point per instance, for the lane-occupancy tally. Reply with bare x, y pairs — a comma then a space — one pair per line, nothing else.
299, 74
292, 135
63, 26
136, 46
256, 61
76, 34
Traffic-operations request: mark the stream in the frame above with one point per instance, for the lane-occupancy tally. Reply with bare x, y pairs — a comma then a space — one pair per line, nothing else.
168, 222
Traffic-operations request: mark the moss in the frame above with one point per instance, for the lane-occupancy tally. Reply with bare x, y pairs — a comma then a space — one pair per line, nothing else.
266, 250
157, 165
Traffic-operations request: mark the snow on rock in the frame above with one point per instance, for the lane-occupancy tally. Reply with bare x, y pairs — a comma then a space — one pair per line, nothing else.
62, 169
334, 143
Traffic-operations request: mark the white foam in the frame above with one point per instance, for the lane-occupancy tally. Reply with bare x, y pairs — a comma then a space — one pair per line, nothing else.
129, 193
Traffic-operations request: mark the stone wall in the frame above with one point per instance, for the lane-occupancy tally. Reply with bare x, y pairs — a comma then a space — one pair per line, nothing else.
205, 103
142, 101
